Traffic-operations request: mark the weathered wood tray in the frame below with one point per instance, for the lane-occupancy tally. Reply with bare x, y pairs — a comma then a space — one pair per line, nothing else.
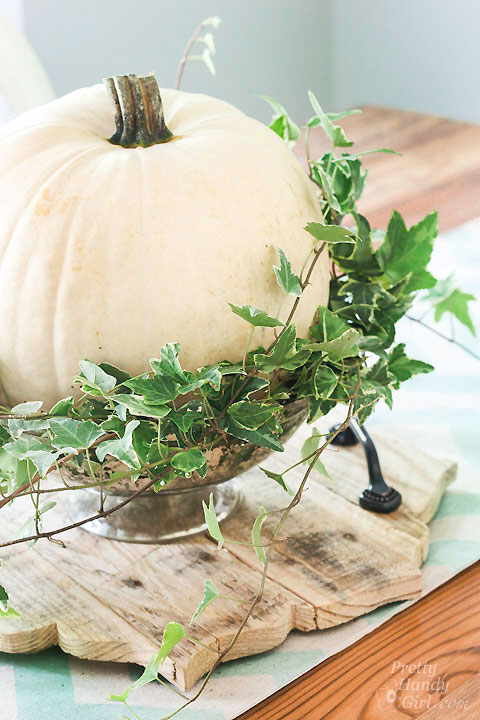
104, 600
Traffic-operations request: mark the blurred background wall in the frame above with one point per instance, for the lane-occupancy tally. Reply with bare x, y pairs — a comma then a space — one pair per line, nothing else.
416, 54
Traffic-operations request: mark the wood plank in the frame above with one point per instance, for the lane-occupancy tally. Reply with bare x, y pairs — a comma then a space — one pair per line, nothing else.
465, 700
335, 562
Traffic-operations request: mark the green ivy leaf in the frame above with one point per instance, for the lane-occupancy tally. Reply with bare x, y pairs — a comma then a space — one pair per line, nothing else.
330, 234
172, 635
258, 318
310, 445
263, 436
24, 445
158, 390
27, 408
281, 123
404, 367
334, 132
286, 278
456, 304
251, 415
360, 259
19, 426
187, 461
340, 347
4, 436
184, 420
78, 434
62, 407
278, 477
212, 521
210, 593
3, 599
407, 252
122, 449
168, 364
94, 380
44, 459
324, 381
209, 374
257, 535
5, 610
136, 406
283, 352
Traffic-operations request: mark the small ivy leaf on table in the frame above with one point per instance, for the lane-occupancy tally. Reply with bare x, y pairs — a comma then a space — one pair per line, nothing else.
278, 477
309, 447
212, 522
257, 535
210, 593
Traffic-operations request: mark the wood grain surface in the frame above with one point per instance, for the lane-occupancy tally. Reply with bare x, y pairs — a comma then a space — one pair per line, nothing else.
440, 169
334, 563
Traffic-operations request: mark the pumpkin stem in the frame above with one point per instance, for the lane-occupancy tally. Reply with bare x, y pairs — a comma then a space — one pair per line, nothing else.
137, 110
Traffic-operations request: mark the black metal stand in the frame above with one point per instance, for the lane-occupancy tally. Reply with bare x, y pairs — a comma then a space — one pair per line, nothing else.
378, 497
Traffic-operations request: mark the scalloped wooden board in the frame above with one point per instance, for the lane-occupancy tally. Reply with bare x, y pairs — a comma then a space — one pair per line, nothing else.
105, 600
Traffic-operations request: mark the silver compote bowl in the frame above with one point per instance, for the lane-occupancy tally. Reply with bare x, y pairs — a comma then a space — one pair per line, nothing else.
176, 511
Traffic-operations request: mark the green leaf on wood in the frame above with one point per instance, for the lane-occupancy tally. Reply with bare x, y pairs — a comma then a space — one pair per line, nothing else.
212, 521
210, 593
257, 535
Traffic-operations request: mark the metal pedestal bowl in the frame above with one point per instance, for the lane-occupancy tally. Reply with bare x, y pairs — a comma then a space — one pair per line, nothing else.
176, 511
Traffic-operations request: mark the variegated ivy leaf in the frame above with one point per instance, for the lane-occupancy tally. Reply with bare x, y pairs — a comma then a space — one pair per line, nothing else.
187, 461
278, 477
79, 434
210, 593
27, 408
212, 521
257, 318
282, 124
121, 448
136, 406
335, 132
330, 234
257, 535
310, 445
251, 415
168, 363
94, 379
286, 278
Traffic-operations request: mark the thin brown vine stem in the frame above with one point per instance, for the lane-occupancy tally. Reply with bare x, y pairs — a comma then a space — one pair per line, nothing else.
259, 595
36, 478
439, 334
98, 516
186, 53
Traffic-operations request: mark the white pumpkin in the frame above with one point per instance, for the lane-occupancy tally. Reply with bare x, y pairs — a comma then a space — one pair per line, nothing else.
108, 252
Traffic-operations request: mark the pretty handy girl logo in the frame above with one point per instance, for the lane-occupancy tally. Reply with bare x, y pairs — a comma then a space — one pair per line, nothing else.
414, 688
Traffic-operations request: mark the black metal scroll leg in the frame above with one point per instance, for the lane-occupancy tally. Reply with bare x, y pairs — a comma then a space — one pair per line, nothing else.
379, 496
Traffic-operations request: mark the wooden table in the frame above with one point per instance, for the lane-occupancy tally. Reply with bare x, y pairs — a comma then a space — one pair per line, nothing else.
440, 169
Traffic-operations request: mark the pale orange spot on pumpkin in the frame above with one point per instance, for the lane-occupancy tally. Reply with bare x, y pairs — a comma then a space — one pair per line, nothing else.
55, 204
